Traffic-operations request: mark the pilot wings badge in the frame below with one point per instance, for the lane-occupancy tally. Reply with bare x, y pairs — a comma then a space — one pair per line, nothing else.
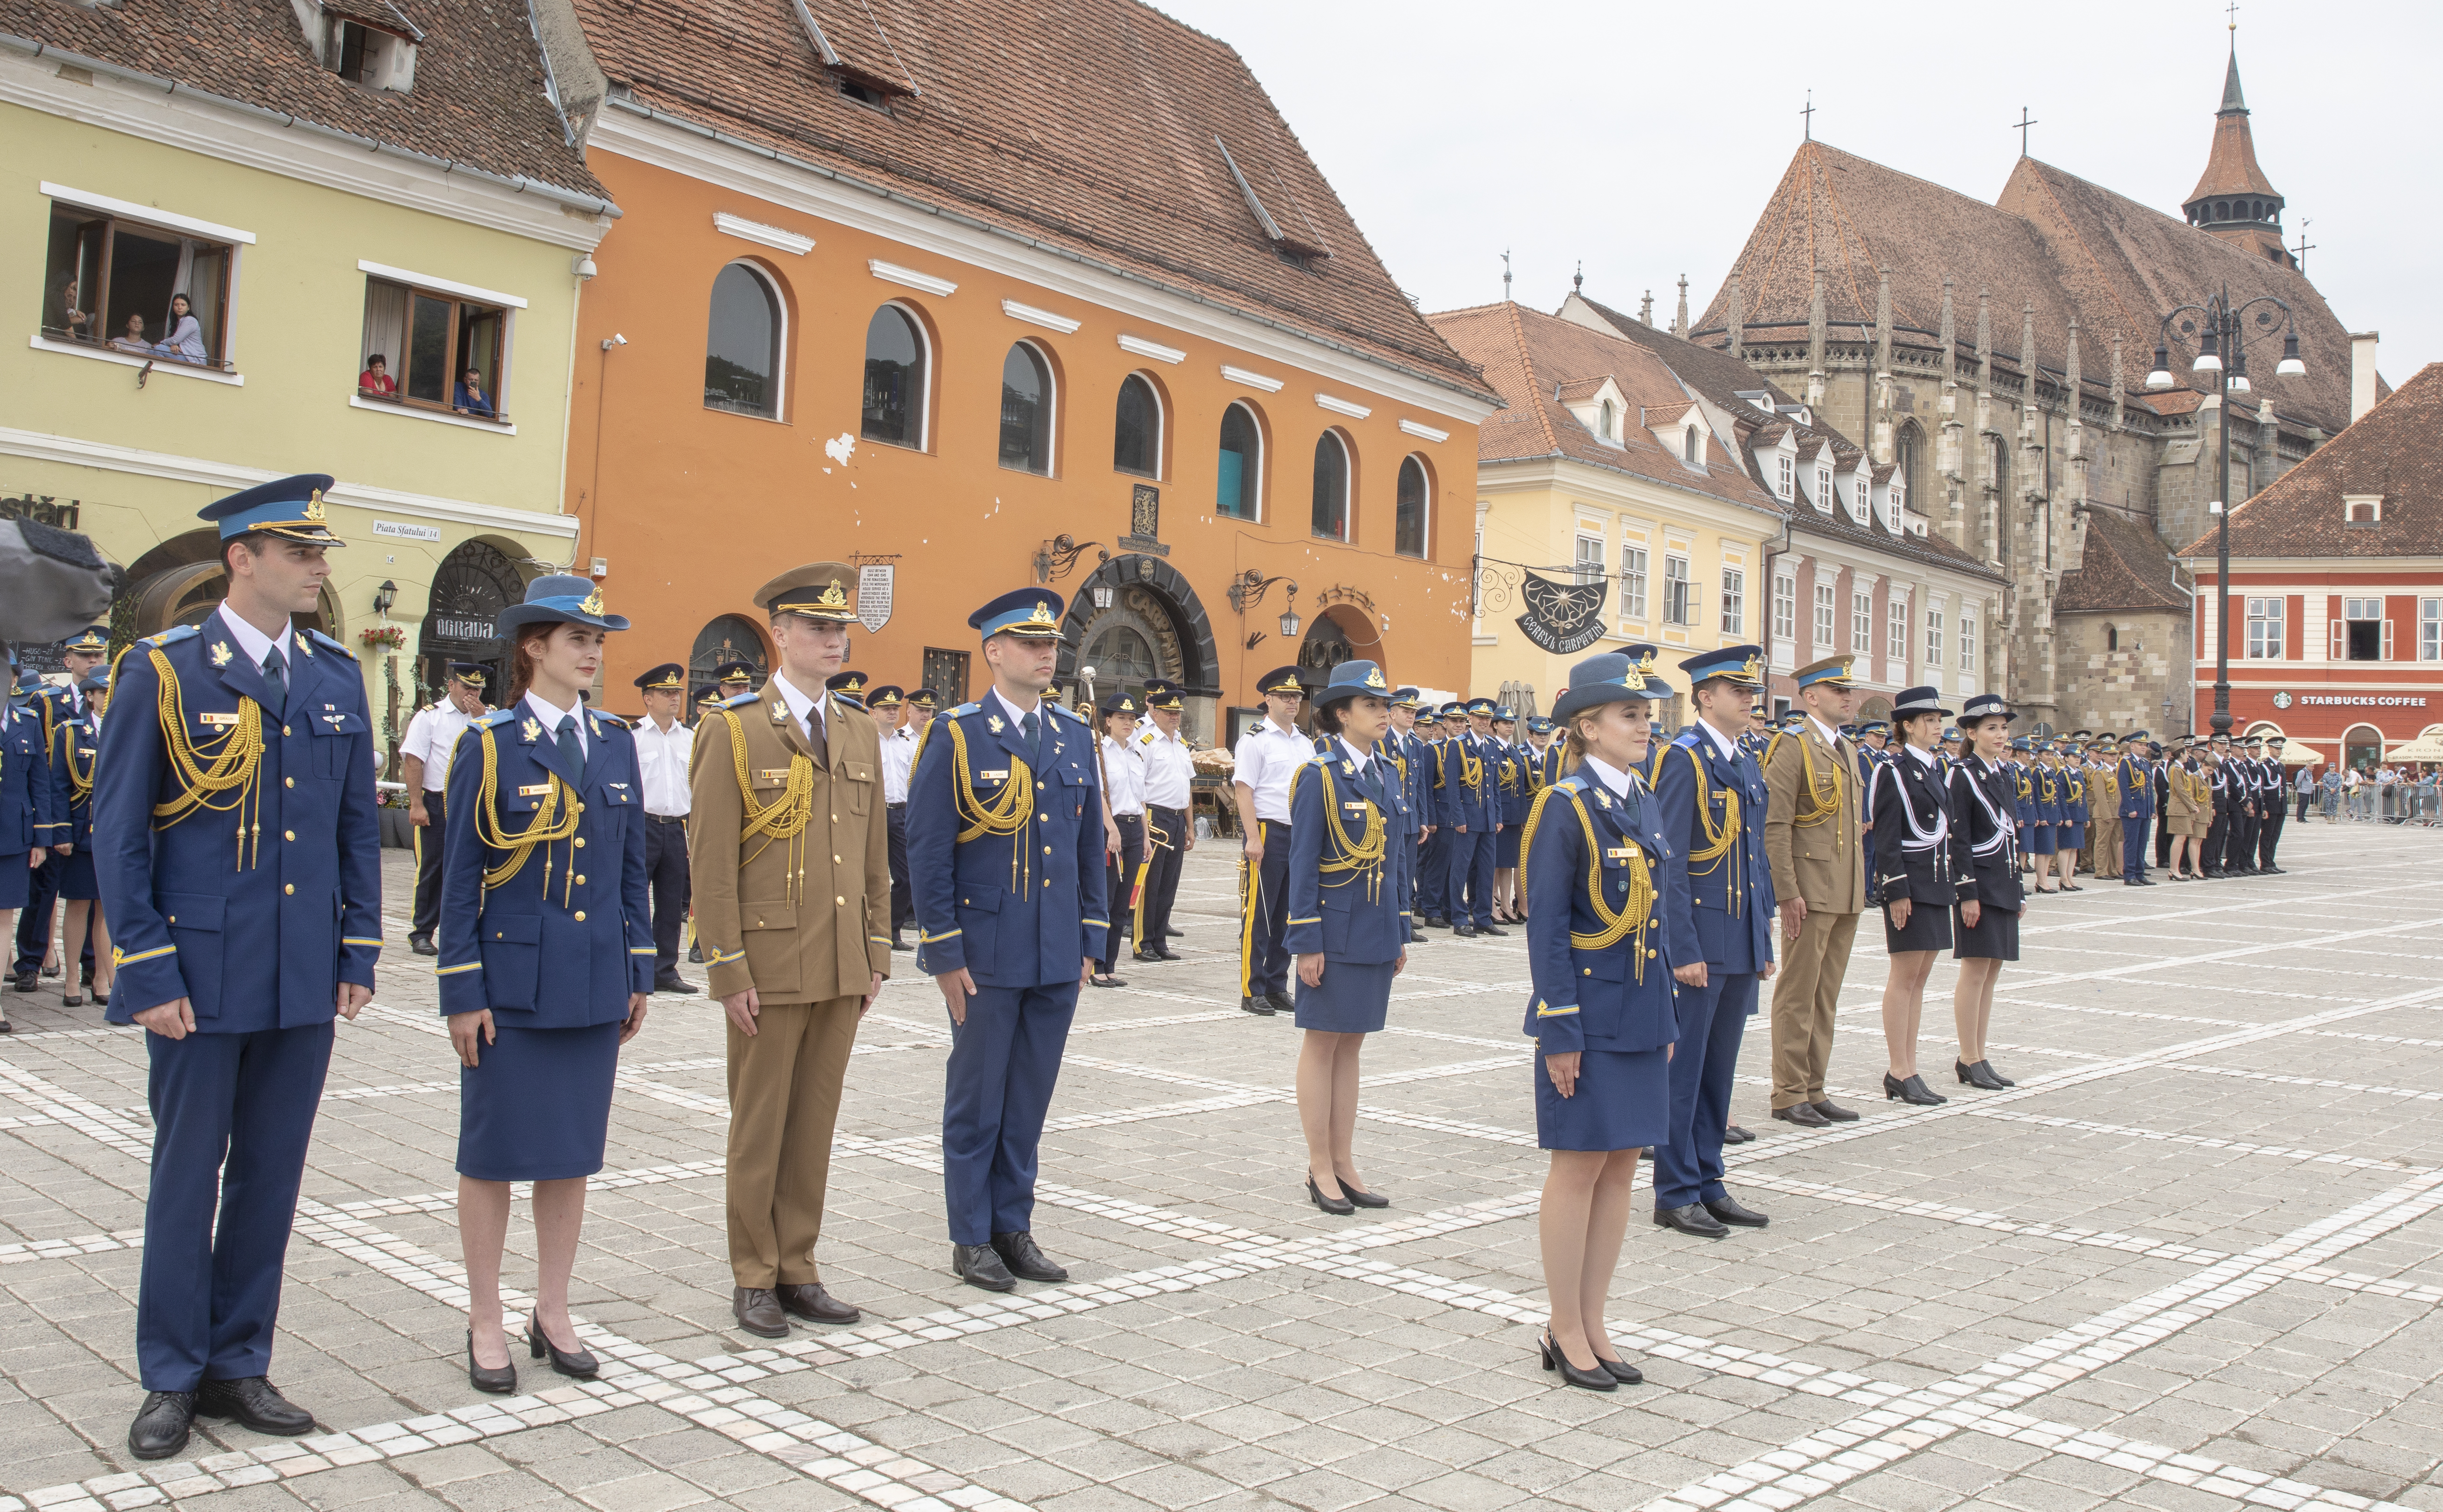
1561, 618
221, 653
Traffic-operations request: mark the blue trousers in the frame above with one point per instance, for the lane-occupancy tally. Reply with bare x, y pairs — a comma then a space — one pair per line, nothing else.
1263, 951
1004, 1061
1432, 857
2133, 846
1467, 877
231, 1115
1712, 1019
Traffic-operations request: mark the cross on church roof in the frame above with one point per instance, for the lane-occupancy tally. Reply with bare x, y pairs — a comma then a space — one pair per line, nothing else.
2024, 122
1809, 114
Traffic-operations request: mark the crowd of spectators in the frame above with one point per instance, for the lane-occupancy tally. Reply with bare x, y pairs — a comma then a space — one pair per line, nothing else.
2389, 794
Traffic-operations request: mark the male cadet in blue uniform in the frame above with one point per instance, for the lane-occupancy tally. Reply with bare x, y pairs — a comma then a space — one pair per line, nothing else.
1472, 810
239, 862
1717, 914
1412, 758
1268, 756
1433, 837
59, 708
2135, 775
1010, 924
30, 801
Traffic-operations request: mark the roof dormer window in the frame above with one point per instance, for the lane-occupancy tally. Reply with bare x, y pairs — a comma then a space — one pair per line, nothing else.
1788, 483
1692, 446
1607, 422
1824, 489
2363, 508
376, 56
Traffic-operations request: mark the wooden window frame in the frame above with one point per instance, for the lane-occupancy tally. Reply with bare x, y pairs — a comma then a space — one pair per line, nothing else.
97, 300
398, 362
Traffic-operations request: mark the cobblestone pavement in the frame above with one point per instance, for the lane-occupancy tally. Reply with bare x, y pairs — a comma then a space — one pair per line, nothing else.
2193, 1261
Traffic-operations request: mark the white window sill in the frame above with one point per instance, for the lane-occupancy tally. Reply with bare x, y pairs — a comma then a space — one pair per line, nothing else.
357, 401
1485, 640
160, 364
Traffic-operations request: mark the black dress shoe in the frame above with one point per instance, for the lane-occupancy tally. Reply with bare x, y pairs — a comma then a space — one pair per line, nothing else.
1620, 1370
1255, 1005
1492, 928
422, 944
1736, 1136
1364, 1198
1732, 1211
578, 1362
899, 945
497, 1380
1803, 1114
1911, 1090
1280, 1002
1835, 1111
980, 1265
1465, 931
1150, 957
1171, 933
161, 1424
1692, 1219
1597, 1379
695, 955
1338, 1207
255, 1402
1025, 1262
1435, 922
807, 1299
1106, 980
1979, 1076
759, 1312
676, 984
26, 982
1987, 1066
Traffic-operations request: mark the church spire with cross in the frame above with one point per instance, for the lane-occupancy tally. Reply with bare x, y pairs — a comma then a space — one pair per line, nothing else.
2233, 199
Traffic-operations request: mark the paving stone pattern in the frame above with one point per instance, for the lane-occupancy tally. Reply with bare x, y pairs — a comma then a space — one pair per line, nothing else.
2192, 1260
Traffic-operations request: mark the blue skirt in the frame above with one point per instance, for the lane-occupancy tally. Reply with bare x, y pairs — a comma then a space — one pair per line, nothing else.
1505, 847
1353, 999
2043, 839
2073, 837
1622, 1101
77, 883
16, 881
537, 1106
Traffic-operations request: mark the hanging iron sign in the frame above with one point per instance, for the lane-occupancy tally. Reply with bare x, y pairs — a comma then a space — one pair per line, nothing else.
1561, 618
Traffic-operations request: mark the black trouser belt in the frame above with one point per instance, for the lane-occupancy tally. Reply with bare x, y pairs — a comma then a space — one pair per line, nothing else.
1159, 808
668, 818
894, 806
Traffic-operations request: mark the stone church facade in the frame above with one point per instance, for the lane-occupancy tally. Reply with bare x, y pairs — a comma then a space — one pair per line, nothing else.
1994, 357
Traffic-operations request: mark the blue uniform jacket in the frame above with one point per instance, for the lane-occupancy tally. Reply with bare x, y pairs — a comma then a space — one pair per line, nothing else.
578, 904
1513, 794
1015, 910
28, 797
74, 743
1459, 800
1618, 996
1410, 759
256, 931
2046, 785
49, 707
1719, 910
1360, 916
2073, 795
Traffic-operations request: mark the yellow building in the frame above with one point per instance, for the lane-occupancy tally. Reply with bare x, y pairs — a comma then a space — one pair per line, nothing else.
1605, 470
309, 211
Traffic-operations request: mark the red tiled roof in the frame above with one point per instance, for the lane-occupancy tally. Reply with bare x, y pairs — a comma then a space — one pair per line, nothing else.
478, 98
1089, 126
2123, 567
2395, 451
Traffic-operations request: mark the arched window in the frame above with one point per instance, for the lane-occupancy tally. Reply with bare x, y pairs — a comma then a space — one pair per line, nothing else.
1610, 431
1911, 444
741, 344
1416, 500
1136, 429
2112, 637
1239, 489
1026, 403
1688, 443
897, 358
728, 638
1332, 487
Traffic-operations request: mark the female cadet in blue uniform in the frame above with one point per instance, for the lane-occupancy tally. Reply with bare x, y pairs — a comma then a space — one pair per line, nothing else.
80, 889
546, 959
1985, 858
1914, 879
2071, 837
1349, 920
1508, 760
1602, 1015
26, 806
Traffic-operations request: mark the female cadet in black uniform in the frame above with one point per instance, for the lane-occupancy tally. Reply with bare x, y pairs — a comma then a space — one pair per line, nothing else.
1985, 856
1913, 880
546, 959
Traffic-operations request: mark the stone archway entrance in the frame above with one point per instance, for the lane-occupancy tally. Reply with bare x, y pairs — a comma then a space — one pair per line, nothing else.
178, 583
1875, 707
1136, 617
728, 638
475, 583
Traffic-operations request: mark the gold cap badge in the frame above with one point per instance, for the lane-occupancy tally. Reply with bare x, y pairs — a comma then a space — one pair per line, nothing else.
592, 604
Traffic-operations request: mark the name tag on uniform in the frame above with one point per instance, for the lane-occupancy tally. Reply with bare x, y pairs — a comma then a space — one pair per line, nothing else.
217, 719
1620, 853
1359, 806
777, 774
536, 790
1001, 776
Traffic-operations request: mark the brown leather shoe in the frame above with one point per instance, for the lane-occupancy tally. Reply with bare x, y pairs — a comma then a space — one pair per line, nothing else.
807, 1299
759, 1312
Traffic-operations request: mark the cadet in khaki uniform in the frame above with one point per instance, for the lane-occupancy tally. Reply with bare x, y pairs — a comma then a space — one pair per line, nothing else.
1819, 872
788, 849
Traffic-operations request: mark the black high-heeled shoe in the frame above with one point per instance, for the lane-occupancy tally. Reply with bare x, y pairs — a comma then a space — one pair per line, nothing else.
1987, 1066
1364, 1198
1593, 1381
1977, 1076
1337, 1206
580, 1362
1620, 1370
1913, 1090
499, 1382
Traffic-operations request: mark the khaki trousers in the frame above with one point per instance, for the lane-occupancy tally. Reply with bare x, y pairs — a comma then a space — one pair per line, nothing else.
2104, 846
1803, 997
785, 1093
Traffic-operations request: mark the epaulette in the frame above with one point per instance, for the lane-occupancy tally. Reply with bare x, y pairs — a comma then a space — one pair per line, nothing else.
964, 709
1686, 739
1576, 783
741, 701
334, 645
1148, 737
173, 636
1076, 714
497, 717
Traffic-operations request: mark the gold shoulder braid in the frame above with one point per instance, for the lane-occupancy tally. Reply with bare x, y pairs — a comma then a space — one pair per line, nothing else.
1719, 841
783, 818
80, 782
1819, 798
547, 827
1363, 854
227, 764
1634, 917
1008, 814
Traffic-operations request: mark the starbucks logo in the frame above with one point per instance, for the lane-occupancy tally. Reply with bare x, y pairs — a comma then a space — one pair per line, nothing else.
2282, 700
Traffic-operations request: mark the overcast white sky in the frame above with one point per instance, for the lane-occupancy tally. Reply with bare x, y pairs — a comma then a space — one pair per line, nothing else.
1645, 137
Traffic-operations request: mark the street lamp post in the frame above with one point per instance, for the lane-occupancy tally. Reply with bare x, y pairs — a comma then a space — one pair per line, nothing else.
2221, 329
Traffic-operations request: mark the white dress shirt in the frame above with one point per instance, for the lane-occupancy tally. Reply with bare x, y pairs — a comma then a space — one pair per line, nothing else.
1356, 757
1727, 745
1268, 756
1124, 771
662, 758
536, 706
807, 712
251, 643
1619, 782
1170, 769
898, 756
433, 739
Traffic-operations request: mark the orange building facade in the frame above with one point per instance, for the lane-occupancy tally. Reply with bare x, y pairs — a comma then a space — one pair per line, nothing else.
940, 404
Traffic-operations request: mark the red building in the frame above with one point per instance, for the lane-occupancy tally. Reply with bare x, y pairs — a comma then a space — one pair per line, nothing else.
2337, 589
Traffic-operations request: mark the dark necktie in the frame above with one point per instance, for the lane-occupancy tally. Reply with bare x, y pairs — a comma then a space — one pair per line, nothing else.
571, 755
1026, 726
275, 676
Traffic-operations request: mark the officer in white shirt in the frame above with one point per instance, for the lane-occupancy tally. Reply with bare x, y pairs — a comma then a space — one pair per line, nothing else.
1268, 756
665, 748
888, 704
1169, 778
1124, 787
424, 768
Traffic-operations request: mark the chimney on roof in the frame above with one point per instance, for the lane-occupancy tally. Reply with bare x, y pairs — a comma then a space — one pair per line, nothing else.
2362, 379
1645, 310
1680, 325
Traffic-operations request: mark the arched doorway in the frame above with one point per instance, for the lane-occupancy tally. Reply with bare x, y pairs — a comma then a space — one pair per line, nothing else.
1167, 631
1325, 645
2362, 747
476, 581
730, 638
1120, 646
180, 582
1876, 706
